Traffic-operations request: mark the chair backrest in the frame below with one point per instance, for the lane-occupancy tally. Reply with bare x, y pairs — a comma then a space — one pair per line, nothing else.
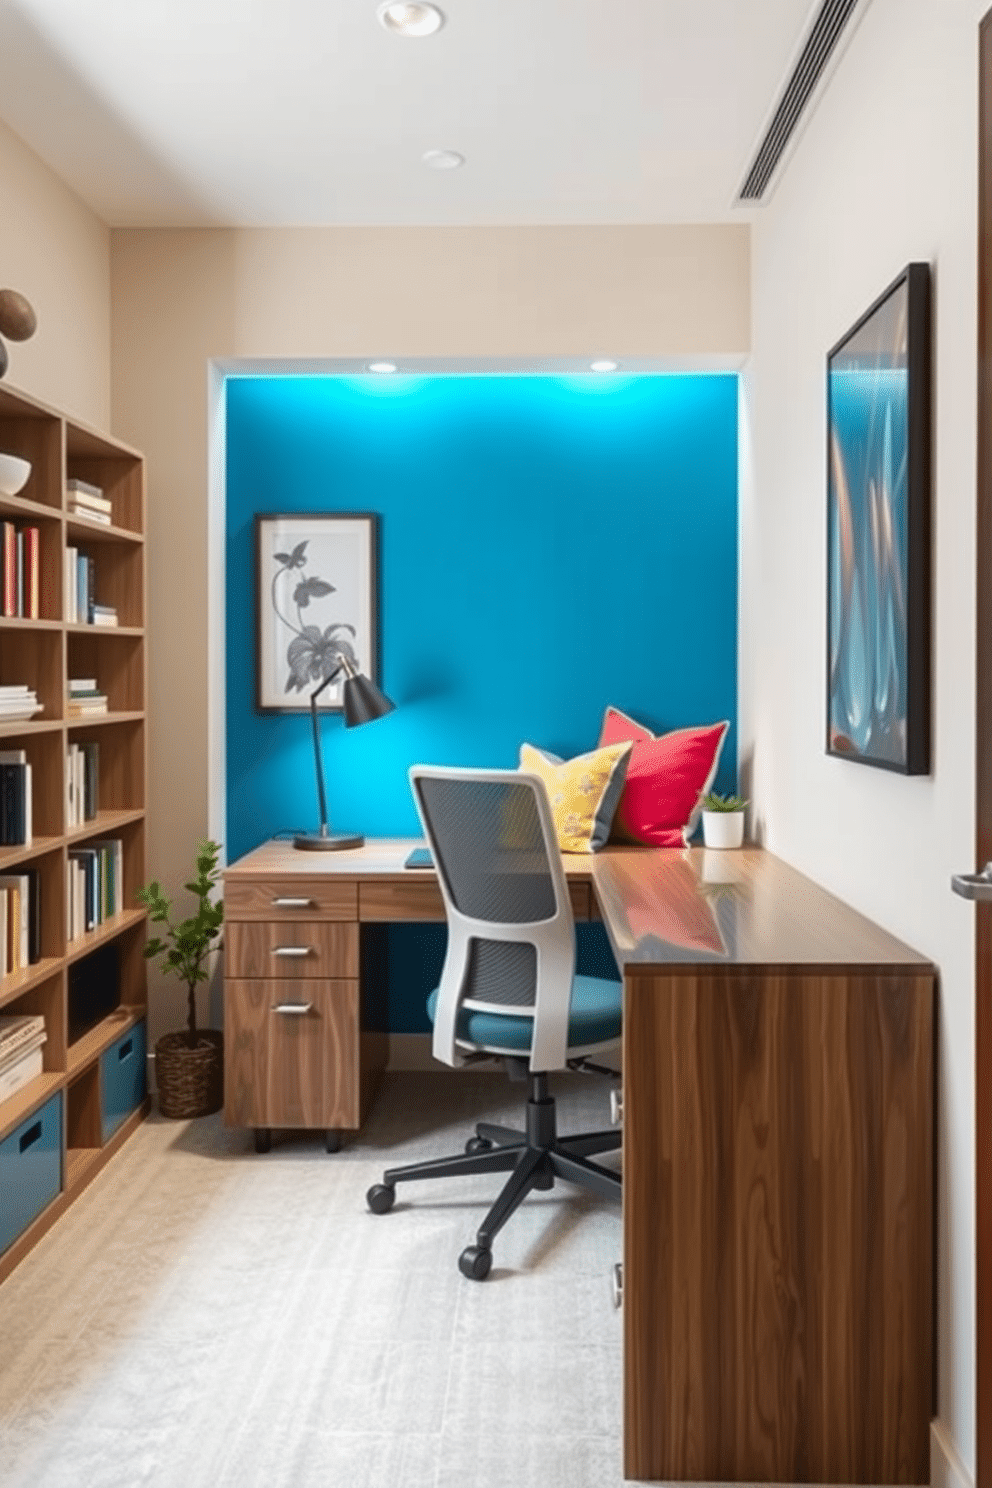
511, 935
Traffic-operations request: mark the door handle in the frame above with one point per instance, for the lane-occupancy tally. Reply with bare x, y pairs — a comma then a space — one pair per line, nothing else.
976, 886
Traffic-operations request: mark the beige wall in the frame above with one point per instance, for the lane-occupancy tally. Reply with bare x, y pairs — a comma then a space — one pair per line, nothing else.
885, 173
57, 253
182, 298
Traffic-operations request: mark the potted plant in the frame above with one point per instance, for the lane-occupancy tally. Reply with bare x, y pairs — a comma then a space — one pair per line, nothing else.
189, 1066
723, 820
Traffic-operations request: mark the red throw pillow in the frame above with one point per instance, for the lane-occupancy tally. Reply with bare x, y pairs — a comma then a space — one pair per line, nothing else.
665, 778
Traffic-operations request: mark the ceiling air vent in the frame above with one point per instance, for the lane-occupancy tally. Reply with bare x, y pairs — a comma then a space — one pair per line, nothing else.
817, 50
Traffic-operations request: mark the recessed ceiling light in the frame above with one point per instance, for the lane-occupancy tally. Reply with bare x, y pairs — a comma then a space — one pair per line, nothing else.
443, 159
382, 366
410, 20
603, 366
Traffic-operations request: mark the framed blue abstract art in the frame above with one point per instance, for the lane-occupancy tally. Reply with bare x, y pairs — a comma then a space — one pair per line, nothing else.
878, 532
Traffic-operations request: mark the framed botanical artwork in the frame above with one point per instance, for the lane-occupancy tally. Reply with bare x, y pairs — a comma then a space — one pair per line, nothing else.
316, 602
878, 532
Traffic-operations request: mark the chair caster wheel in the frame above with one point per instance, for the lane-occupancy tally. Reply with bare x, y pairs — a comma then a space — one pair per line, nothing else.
474, 1262
263, 1139
380, 1198
333, 1140
477, 1144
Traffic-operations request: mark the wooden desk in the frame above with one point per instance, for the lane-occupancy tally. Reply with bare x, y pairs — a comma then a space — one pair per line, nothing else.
778, 1176
778, 1136
304, 999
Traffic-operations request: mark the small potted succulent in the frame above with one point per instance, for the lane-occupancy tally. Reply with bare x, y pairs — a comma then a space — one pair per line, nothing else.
723, 820
189, 1066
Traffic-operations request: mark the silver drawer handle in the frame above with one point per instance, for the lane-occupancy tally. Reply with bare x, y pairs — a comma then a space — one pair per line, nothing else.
294, 903
291, 950
618, 1284
298, 1009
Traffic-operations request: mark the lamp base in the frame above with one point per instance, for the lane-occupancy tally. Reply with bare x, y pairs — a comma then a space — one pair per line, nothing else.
327, 841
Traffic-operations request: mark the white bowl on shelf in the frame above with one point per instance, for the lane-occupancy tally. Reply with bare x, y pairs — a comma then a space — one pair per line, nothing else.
14, 473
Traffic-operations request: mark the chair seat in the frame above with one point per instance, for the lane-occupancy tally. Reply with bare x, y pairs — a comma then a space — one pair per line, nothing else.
595, 1017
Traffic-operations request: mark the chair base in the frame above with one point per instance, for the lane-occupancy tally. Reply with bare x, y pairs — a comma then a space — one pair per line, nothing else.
534, 1158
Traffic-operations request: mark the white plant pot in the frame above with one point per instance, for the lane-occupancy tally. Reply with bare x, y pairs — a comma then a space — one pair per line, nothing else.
723, 828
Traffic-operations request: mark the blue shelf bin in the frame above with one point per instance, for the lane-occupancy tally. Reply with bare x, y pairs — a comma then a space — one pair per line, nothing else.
122, 1079
30, 1170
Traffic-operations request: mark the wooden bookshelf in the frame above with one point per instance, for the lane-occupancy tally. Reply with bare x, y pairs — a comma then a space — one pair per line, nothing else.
45, 653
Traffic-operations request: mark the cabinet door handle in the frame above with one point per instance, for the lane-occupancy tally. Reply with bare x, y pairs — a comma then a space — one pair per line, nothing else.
286, 903
291, 950
297, 1009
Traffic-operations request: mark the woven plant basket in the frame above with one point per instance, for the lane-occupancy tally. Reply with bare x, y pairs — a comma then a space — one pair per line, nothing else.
190, 1081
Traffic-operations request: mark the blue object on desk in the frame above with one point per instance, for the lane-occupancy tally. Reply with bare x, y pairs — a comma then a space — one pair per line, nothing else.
420, 858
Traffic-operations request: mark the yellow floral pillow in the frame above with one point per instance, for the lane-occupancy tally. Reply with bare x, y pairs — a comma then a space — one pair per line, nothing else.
584, 792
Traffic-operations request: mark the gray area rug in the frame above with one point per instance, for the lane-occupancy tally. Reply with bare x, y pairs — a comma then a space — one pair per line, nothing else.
207, 1316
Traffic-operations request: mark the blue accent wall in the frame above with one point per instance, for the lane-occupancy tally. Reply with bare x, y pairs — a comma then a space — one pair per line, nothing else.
548, 546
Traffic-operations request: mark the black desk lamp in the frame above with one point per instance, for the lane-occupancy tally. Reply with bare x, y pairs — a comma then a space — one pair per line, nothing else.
362, 702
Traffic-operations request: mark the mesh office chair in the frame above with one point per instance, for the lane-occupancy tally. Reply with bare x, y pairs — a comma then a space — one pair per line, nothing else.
508, 987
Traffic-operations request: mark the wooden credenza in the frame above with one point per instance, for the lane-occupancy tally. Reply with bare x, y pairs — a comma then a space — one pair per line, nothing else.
778, 1177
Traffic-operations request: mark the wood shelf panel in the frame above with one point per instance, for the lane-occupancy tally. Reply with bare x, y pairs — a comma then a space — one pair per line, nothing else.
12, 857
20, 1105
83, 944
19, 982
78, 1161
79, 527
87, 1050
103, 824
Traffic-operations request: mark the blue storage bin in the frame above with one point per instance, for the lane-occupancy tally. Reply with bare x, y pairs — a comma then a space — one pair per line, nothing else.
122, 1078
30, 1169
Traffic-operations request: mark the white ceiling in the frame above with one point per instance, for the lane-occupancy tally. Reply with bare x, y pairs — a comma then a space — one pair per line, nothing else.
303, 112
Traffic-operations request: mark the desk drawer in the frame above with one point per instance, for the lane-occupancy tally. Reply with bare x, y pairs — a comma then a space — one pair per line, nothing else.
420, 899
291, 1053
290, 899
291, 948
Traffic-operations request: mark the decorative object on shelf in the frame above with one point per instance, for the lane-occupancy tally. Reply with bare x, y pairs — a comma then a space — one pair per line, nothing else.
723, 820
18, 322
363, 702
14, 472
878, 532
316, 605
189, 1067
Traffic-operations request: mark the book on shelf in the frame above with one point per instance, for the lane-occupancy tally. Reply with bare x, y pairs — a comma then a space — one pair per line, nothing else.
83, 490
25, 1069
20, 890
82, 783
9, 1055
16, 828
19, 1031
87, 514
111, 851
103, 615
84, 698
19, 704
94, 885
21, 571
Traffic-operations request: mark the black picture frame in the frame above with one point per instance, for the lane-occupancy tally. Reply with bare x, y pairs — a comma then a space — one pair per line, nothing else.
878, 531
316, 594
